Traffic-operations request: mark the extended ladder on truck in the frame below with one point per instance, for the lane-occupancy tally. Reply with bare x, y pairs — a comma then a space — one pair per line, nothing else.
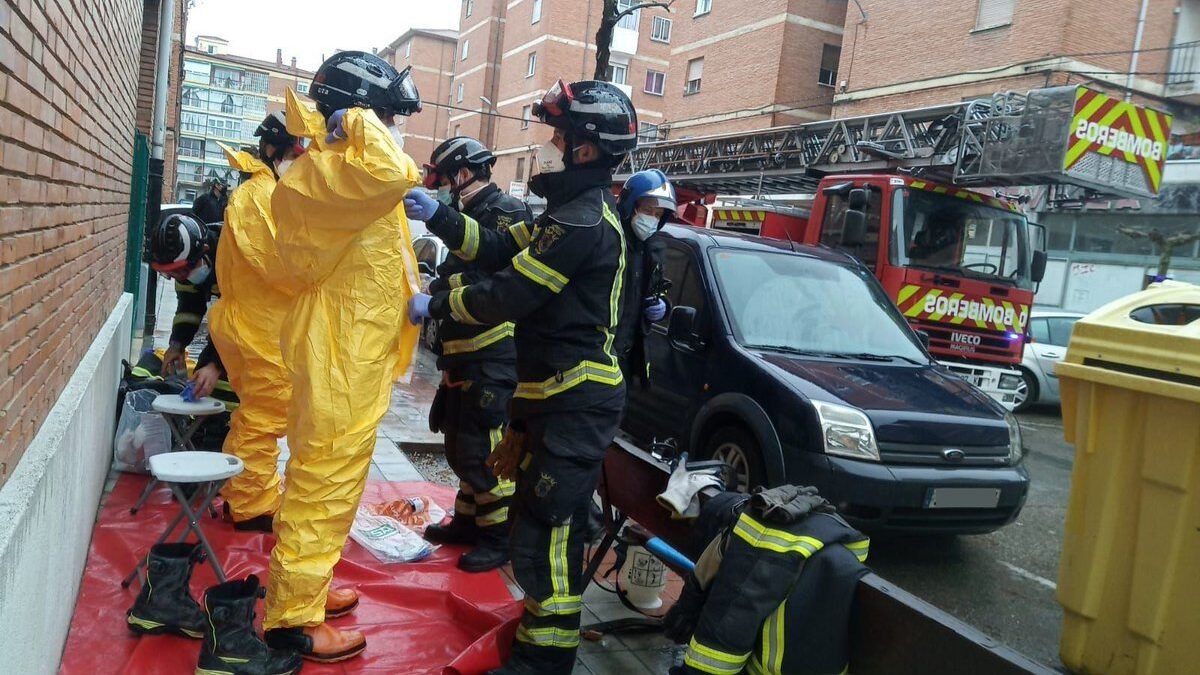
1056, 136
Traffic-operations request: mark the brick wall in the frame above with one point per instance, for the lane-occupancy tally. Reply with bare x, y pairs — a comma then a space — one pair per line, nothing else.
479, 73
68, 88
432, 61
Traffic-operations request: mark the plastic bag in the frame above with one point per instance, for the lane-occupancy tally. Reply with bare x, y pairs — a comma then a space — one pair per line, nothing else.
141, 433
389, 540
413, 512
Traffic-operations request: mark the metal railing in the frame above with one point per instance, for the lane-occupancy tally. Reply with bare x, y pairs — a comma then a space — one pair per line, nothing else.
1183, 63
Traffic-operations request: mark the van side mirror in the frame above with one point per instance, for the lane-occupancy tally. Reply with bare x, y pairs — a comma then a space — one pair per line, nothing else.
1037, 268
681, 328
854, 228
425, 268
857, 199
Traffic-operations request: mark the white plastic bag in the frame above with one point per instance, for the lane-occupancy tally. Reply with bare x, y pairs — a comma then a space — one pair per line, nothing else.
388, 539
141, 432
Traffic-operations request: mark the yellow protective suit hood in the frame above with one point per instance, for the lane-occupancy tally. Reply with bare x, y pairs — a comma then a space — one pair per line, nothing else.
343, 235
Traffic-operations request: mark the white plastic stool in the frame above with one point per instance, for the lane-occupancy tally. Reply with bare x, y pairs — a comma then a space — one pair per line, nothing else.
183, 418
210, 470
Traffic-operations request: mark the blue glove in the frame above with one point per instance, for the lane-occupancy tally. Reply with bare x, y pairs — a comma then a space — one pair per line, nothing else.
420, 206
334, 125
188, 393
418, 308
655, 309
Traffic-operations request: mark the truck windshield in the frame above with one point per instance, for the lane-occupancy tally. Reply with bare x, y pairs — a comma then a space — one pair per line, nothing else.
798, 304
961, 237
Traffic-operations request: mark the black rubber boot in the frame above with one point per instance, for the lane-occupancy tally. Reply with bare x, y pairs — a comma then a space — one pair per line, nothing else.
490, 552
460, 530
263, 523
231, 646
165, 604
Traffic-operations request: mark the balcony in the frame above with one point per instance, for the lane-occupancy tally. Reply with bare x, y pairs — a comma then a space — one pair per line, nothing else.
624, 40
1183, 80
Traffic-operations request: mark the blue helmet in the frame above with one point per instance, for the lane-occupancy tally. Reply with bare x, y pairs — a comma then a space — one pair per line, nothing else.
649, 184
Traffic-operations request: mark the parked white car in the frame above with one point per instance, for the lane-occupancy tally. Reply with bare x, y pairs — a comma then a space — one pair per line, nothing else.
431, 253
1049, 333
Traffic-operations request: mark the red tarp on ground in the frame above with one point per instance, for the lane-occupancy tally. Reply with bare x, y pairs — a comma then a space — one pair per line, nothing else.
421, 618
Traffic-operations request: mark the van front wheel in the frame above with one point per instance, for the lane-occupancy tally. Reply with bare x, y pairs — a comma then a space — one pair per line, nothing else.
738, 448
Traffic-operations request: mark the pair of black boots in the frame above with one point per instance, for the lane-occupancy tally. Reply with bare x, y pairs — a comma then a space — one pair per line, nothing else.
225, 623
491, 543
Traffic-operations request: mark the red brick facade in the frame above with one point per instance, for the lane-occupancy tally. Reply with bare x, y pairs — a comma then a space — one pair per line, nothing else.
431, 55
69, 91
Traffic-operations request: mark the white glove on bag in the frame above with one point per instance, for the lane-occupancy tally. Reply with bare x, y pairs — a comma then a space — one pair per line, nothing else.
683, 489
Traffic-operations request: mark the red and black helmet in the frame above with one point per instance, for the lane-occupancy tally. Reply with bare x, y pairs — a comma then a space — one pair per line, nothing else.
362, 80
273, 131
177, 243
454, 154
591, 110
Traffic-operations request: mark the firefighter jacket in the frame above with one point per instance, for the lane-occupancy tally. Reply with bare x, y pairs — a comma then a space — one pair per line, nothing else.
193, 305
643, 280
772, 597
210, 208
462, 345
563, 291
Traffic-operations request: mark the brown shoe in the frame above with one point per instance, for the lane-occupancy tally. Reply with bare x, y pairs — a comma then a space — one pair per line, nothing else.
340, 602
322, 643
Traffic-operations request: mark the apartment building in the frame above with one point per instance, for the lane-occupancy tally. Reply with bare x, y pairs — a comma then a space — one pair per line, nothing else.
737, 66
223, 97
510, 53
430, 53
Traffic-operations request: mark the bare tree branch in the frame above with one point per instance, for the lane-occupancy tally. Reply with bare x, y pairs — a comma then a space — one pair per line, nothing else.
609, 17
645, 5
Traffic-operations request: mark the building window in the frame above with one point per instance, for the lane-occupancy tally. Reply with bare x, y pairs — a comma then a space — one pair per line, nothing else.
193, 122
647, 133
630, 20
993, 13
617, 73
655, 81
525, 116
229, 107
695, 71
470, 8
457, 130
703, 7
660, 29
466, 49
302, 87
191, 97
536, 12
195, 71
256, 82
212, 49
830, 55
408, 48
191, 147
520, 168
531, 66
461, 89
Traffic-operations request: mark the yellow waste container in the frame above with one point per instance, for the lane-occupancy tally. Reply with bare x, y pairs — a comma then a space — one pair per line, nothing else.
1129, 578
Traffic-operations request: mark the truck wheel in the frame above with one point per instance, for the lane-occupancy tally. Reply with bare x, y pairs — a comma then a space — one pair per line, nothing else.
1027, 392
738, 448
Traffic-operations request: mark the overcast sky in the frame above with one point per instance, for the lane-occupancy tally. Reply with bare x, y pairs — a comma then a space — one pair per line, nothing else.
308, 29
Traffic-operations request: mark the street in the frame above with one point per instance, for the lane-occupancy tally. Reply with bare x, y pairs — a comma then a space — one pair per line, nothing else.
1002, 583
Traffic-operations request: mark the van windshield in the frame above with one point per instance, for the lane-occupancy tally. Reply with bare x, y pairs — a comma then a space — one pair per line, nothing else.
960, 237
799, 304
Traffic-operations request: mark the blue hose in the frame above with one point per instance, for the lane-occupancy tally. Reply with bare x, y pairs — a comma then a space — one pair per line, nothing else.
668, 554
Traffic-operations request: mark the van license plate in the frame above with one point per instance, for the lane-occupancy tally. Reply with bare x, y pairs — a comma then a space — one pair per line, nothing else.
962, 498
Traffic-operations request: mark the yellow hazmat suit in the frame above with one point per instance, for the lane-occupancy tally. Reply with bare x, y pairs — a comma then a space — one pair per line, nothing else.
343, 235
245, 324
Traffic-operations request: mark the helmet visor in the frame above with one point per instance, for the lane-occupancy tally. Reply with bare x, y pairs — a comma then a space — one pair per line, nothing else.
555, 103
403, 92
431, 177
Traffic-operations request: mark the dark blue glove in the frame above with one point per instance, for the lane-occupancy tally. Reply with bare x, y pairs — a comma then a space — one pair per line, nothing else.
334, 126
655, 309
419, 206
418, 308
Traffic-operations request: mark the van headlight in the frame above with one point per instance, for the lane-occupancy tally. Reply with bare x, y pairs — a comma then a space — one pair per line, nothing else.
1016, 448
846, 432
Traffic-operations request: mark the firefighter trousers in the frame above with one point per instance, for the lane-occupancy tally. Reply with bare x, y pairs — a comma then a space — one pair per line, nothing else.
558, 476
473, 419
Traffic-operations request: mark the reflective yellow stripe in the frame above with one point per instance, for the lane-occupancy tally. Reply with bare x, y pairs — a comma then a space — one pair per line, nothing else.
549, 637
463, 507
614, 296
186, 318
773, 643
458, 308
709, 660
496, 517
753, 667
474, 344
470, 245
561, 606
860, 549
588, 371
538, 271
456, 280
520, 234
504, 488
771, 539
558, 560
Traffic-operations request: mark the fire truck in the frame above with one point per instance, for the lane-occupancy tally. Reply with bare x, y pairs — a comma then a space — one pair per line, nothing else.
916, 196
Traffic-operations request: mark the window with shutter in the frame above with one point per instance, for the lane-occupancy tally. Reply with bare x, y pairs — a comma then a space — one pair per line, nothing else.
695, 71
994, 13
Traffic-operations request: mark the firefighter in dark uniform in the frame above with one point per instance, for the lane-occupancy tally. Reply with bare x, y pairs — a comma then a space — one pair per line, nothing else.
478, 364
564, 292
185, 250
210, 206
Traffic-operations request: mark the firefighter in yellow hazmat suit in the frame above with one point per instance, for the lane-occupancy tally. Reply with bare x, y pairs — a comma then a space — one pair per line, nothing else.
344, 237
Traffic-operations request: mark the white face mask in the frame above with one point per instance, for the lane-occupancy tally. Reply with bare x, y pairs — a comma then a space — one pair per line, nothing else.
549, 159
200, 274
397, 136
644, 225
282, 166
